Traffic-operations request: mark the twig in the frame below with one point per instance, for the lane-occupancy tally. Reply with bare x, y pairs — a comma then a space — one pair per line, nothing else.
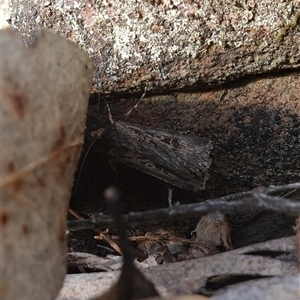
103, 235
154, 238
282, 205
115, 246
255, 200
74, 214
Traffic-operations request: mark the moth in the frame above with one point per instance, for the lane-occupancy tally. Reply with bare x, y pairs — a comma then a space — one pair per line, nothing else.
178, 159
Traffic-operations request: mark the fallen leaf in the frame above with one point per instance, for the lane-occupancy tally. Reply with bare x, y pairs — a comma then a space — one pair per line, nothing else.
189, 276
266, 288
45, 89
214, 230
91, 261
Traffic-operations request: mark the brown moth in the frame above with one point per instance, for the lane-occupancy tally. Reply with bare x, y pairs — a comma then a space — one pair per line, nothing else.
178, 159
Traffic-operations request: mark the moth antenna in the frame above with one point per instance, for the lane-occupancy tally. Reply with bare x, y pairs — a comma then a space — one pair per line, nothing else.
80, 170
136, 105
97, 134
109, 114
170, 194
89, 148
99, 94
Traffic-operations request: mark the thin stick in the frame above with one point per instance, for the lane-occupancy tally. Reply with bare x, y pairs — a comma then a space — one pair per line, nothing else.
174, 239
256, 200
102, 235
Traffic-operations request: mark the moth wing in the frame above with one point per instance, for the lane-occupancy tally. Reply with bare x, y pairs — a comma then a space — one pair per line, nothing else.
181, 160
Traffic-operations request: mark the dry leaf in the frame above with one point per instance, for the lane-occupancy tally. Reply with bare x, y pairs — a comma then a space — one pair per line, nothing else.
45, 89
266, 288
214, 230
185, 297
91, 261
189, 276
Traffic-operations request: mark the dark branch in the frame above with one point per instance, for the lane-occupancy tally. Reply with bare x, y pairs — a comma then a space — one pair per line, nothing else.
252, 201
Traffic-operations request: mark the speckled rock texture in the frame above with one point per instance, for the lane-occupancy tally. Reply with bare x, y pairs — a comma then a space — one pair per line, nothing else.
171, 44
